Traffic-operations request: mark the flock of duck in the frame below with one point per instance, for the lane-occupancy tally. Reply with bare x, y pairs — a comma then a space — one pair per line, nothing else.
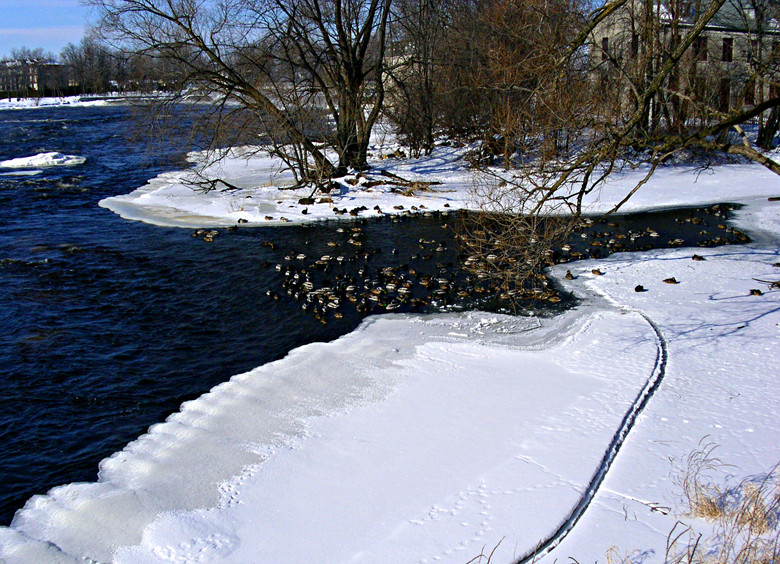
357, 274
361, 272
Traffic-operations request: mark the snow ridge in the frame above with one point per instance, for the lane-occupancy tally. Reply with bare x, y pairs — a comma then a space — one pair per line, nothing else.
546, 545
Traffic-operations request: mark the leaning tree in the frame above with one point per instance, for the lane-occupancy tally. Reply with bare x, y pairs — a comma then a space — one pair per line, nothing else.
306, 76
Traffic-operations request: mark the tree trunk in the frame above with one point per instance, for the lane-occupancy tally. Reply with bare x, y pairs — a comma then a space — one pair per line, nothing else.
347, 132
768, 129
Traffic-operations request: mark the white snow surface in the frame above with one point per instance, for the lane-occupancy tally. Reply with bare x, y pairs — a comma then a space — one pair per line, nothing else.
171, 200
43, 160
49, 102
437, 438
257, 197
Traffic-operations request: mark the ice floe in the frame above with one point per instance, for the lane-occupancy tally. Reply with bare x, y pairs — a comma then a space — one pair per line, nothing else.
49, 102
43, 160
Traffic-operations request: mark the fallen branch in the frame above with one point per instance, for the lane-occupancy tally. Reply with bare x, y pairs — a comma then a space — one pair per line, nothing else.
407, 183
772, 284
209, 185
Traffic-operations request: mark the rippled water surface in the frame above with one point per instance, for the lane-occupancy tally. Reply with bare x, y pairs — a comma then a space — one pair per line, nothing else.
108, 325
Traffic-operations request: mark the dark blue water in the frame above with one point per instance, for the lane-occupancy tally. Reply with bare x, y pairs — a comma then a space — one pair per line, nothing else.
108, 325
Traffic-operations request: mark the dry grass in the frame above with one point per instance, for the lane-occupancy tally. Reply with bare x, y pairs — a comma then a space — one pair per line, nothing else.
743, 520
705, 500
744, 517
482, 558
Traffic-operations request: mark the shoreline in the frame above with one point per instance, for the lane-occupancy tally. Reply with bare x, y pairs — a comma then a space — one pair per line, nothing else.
384, 443
169, 200
74, 101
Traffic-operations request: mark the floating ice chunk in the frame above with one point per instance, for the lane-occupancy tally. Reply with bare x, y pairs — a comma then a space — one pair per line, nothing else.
43, 159
22, 173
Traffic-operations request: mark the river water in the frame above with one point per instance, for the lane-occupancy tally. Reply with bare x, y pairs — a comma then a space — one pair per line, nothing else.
109, 325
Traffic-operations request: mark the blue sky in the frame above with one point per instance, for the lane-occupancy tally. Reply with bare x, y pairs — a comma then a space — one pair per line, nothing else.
50, 24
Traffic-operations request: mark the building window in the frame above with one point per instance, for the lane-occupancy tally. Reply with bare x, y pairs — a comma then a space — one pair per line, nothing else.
728, 49
699, 88
725, 95
753, 53
700, 49
750, 94
604, 48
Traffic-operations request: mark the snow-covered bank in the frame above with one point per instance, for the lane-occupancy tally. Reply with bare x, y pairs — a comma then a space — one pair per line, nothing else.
170, 200
720, 387
53, 102
427, 438
411, 430
43, 160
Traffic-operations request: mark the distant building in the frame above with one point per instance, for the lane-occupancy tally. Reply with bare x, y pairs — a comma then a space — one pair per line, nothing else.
28, 78
725, 67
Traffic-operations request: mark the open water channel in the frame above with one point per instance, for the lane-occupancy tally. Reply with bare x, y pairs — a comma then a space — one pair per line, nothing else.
107, 325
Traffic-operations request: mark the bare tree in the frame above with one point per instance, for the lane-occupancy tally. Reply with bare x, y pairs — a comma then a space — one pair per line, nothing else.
89, 64
528, 110
417, 56
31, 54
761, 19
640, 103
283, 63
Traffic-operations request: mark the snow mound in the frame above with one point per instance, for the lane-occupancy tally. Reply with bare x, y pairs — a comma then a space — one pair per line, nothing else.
43, 159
